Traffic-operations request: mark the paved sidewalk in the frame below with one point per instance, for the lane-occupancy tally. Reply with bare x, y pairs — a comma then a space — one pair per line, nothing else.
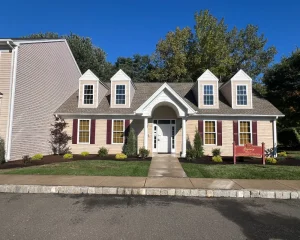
166, 165
150, 182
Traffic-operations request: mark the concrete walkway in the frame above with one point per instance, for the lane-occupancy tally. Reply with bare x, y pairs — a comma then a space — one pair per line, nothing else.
166, 165
150, 182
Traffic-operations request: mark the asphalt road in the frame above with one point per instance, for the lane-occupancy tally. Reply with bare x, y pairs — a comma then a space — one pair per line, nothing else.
45, 216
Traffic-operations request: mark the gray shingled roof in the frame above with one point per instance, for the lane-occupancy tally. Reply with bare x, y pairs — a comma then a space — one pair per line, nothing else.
144, 90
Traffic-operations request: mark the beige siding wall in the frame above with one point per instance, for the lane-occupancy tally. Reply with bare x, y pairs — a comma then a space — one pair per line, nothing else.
234, 94
201, 94
81, 93
226, 91
47, 75
113, 94
227, 137
5, 76
265, 133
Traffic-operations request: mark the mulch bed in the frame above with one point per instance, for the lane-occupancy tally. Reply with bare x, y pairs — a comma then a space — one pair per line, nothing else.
243, 160
58, 159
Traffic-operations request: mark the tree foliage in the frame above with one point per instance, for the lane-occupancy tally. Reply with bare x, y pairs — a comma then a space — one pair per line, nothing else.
137, 67
59, 138
198, 147
184, 54
283, 88
2, 150
85, 53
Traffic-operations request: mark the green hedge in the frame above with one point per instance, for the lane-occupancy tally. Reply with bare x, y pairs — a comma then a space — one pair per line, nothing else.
289, 137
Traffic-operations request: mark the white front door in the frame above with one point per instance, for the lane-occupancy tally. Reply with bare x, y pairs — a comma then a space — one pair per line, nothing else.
164, 138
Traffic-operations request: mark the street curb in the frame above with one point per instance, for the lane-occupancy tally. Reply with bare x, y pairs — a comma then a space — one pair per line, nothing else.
123, 191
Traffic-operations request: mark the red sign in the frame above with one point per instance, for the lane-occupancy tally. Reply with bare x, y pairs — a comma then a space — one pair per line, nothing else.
248, 150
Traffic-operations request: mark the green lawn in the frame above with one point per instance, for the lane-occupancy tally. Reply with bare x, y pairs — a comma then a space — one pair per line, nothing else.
241, 171
88, 168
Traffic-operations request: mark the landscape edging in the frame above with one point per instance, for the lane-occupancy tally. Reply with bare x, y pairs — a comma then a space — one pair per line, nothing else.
122, 191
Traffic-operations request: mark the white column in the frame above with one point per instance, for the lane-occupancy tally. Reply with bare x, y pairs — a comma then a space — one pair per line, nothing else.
146, 133
275, 138
183, 153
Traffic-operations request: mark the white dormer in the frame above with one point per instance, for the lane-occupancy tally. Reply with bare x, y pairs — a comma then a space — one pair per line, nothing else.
238, 91
206, 90
91, 90
122, 90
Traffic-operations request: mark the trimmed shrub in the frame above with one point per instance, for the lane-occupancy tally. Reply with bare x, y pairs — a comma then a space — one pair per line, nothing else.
198, 145
103, 152
216, 152
282, 154
289, 137
217, 159
130, 147
191, 154
26, 159
271, 160
37, 156
2, 151
143, 152
84, 154
121, 156
68, 156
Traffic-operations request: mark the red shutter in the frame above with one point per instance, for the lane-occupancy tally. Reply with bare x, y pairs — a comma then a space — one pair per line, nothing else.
108, 131
75, 127
93, 131
236, 132
219, 131
200, 129
254, 133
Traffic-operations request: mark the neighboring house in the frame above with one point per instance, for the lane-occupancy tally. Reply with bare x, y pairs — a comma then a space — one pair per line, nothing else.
36, 77
165, 116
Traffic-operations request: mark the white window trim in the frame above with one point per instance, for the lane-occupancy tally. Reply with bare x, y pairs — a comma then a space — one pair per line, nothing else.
213, 89
112, 131
116, 94
236, 96
173, 150
250, 121
87, 104
216, 132
78, 127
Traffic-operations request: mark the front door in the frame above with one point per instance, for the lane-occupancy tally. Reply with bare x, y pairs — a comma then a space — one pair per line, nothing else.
164, 138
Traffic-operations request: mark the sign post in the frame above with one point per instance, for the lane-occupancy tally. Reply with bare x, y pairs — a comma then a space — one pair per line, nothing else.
248, 150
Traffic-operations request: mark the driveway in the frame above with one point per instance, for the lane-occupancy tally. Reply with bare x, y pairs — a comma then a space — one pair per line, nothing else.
34, 216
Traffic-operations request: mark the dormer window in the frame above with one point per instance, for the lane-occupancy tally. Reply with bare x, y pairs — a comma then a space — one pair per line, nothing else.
120, 94
88, 94
208, 95
241, 94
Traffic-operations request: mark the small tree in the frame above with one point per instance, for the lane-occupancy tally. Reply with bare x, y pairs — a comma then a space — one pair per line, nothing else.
130, 147
198, 144
2, 151
59, 138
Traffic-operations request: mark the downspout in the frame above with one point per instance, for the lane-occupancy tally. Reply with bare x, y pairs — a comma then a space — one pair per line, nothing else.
275, 143
12, 101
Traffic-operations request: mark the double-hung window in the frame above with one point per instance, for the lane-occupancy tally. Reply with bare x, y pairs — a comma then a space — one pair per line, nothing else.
84, 131
210, 132
120, 94
88, 94
241, 94
118, 131
208, 95
245, 132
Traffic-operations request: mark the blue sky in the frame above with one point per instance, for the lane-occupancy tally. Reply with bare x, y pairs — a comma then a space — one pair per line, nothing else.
123, 28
